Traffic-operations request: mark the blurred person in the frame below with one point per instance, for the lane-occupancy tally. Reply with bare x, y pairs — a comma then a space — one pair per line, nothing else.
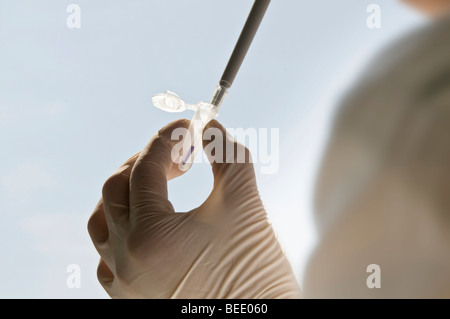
381, 198
382, 191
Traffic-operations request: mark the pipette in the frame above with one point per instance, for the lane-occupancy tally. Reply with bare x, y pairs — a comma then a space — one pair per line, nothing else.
203, 111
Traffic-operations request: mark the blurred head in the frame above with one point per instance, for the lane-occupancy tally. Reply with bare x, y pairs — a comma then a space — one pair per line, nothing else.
432, 8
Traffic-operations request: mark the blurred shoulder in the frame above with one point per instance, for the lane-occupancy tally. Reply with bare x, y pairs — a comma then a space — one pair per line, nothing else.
419, 53
413, 68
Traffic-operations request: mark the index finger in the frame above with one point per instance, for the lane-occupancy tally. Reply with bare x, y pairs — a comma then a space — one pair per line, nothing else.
148, 180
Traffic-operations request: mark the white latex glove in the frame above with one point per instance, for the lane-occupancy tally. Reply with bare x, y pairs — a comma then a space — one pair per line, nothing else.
226, 248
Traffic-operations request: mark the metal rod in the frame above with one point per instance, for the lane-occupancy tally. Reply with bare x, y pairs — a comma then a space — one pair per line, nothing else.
245, 39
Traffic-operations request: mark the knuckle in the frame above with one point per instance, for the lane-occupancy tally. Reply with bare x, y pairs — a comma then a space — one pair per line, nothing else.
162, 143
104, 273
119, 274
112, 183
91, 225
97, 229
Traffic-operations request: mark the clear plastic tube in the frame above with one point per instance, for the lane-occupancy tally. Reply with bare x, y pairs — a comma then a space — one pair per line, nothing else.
192, 142
203, 113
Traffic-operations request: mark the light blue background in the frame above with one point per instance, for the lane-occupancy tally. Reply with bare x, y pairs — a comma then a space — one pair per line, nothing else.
76, 103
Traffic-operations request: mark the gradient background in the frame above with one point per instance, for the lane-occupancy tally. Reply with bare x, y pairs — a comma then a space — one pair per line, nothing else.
76, 103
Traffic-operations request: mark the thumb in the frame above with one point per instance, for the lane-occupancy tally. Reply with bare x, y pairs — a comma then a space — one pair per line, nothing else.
231, 161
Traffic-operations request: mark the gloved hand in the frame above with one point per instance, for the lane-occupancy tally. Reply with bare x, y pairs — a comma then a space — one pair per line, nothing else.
226, 248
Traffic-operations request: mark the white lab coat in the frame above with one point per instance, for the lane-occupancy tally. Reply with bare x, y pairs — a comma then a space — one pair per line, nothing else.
383, 193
